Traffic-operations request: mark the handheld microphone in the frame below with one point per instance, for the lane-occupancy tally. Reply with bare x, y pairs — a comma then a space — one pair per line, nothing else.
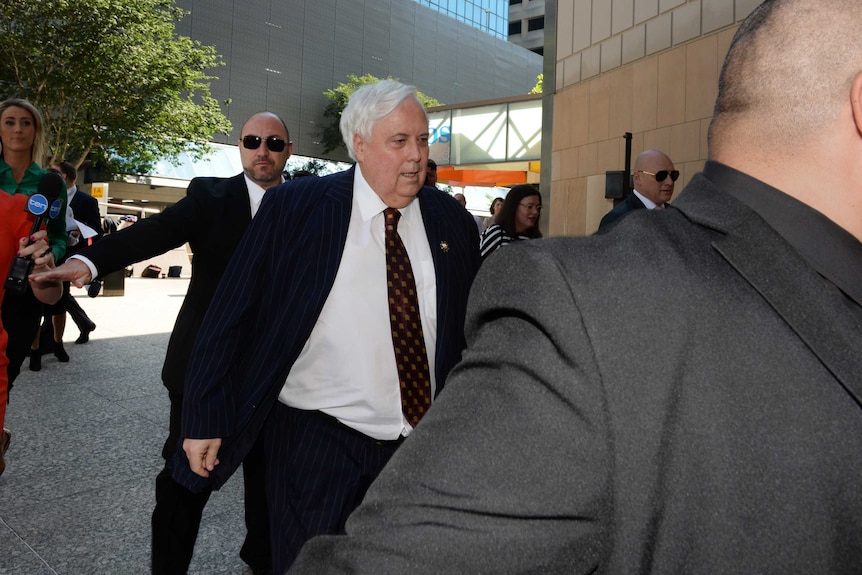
46, 201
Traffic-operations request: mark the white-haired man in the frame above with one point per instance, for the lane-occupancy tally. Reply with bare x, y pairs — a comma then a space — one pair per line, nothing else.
303, 342
726, 436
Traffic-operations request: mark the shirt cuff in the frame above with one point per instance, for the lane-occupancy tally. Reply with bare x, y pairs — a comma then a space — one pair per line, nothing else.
94, 273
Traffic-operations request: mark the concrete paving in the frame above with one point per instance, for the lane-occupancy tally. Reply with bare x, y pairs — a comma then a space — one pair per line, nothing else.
78, 491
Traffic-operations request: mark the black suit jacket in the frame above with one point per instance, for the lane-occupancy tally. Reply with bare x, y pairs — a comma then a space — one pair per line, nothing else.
85, 209
631, 203
212, 217
682, 395
272, 295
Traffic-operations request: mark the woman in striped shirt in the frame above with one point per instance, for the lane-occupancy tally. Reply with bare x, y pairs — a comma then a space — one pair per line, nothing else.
518, 220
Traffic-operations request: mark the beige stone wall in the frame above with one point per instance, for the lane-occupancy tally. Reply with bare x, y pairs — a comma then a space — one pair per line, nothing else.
649, 67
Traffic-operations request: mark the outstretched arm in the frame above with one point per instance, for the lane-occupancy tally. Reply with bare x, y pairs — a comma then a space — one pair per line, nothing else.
73, 270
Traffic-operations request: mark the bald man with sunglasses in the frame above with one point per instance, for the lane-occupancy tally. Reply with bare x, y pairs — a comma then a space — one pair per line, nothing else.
654, 181
212, 217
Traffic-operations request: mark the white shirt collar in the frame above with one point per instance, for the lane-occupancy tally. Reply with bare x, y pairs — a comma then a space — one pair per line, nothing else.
255, 193
650, 205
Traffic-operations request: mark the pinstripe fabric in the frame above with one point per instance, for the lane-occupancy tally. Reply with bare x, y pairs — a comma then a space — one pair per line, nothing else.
327, 468
272, 294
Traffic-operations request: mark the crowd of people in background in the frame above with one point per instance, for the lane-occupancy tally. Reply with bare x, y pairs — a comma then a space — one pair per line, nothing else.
512, 218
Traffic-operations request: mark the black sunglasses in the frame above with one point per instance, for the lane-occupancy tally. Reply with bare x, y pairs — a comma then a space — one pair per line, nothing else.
272, 143
661, 175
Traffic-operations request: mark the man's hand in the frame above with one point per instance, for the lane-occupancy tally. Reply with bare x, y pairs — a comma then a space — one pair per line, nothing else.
74, 271
202, 454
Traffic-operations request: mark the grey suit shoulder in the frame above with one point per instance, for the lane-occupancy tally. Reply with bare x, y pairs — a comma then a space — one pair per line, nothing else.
589, 424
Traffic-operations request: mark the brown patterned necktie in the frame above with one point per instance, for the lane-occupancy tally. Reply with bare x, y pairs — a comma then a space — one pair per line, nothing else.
407, 339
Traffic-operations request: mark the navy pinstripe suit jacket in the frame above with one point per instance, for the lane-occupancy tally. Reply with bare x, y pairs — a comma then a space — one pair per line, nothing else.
271, 296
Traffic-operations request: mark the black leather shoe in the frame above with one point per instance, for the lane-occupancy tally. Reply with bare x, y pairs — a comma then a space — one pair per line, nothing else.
85, 335
35, 360
60, 352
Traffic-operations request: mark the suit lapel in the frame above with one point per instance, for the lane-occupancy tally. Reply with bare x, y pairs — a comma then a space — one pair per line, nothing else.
812, 307
436, 227
238, 203
433, 219
636, 203
337, 210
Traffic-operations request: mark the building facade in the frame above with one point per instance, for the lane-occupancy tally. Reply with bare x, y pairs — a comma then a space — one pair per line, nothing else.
281, 55
491, 16
527, 24
647, 67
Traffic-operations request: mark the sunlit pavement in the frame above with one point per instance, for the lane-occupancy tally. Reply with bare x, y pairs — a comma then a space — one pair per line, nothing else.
78, 491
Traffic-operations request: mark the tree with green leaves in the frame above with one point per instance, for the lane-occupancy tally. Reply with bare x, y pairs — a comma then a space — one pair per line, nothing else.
338, 97
540, 81
313, 166
115, 82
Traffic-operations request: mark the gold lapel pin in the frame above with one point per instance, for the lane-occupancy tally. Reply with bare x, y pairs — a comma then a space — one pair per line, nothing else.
445, 247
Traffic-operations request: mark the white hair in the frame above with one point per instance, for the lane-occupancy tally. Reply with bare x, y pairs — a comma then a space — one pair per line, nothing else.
370, 103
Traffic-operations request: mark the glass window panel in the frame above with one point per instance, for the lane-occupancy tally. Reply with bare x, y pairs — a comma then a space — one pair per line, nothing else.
439, 136
536, 23
525, 130
479, 135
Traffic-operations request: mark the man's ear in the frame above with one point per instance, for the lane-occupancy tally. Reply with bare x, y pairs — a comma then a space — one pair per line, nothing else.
856, 101
357, 146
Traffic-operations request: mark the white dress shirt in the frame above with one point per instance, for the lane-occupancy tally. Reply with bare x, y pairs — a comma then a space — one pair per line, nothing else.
347, 367
255, 194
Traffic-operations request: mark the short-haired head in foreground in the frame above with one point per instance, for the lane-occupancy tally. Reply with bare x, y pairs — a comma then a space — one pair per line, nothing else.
789, 105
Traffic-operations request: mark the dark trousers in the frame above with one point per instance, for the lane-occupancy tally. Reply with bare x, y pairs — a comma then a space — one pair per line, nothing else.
76, 312
178, 511
318, 471
21, 317
66, 304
